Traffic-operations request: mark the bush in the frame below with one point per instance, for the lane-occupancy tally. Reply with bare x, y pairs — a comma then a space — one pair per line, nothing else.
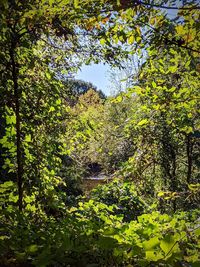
89, 235
124, 196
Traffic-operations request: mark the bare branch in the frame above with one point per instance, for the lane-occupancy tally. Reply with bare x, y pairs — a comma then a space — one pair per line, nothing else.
196, 7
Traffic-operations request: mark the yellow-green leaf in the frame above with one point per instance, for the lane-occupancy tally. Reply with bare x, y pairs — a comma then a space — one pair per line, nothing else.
154, 84
142, 122
151, 243
76, 3
28, 138
32, 248
131, 39
168, 244
153, 256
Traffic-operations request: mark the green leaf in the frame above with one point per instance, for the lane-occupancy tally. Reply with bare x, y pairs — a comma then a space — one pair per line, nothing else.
7, 184
31, 207
32, 248
154, 84
4, 140
29, 199
3, 237
131, 39
161, 194
13, 198
11, 119
106, 242
197, 232
151, 243
173, 69
51, 109
48, 75
58, 101
168, 244
102, 41
28, 138
117, 99
180, 29
76, 3
142, 122
153, 256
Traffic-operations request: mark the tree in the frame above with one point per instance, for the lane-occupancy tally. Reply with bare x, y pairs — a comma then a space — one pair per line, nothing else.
169, 104
25, 30
150, 132
81, 29
124, 77
73, 89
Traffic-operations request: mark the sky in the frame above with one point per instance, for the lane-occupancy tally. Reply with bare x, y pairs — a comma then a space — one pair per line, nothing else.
97, 74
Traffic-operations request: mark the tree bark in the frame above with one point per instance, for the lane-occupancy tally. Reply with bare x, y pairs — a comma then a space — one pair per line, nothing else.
189, 148
14, 71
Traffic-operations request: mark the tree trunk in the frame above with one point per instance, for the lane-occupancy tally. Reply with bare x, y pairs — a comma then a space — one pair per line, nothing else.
189, 148
14, 71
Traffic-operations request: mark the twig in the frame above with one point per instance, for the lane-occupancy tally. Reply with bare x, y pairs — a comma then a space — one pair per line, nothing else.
196, 7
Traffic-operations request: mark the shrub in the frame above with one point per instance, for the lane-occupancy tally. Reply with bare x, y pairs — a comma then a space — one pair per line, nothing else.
124, 196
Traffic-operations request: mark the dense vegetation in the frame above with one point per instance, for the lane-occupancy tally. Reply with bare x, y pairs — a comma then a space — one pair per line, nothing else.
56, 131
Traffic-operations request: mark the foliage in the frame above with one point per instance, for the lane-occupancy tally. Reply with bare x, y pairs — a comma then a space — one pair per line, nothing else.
97, 132
91, 234
149, 134
163, 123
166, 123
73, 89
124, 196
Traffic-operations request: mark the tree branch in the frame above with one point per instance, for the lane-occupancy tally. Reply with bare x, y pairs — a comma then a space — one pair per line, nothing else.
196, 7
